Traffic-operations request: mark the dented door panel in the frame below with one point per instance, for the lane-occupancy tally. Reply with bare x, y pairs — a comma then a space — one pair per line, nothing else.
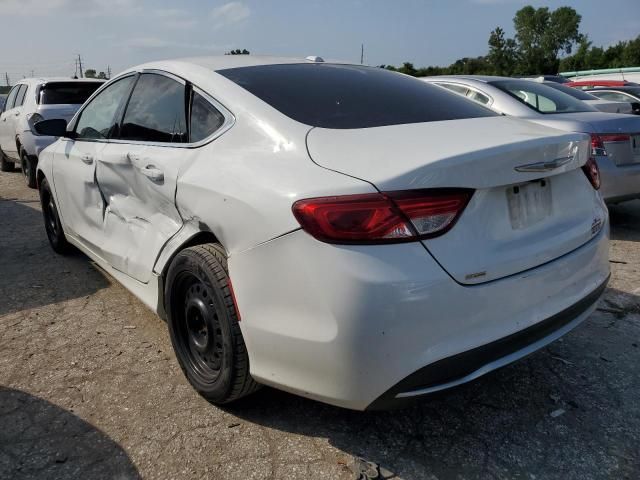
140, 213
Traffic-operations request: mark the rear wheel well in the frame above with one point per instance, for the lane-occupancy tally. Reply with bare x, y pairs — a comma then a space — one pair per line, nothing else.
39, 178
200, 238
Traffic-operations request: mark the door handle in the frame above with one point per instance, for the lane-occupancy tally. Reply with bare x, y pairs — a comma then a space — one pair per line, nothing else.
88, 159
153, 173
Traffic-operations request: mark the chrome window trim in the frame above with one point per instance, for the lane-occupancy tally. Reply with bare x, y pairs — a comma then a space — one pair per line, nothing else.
229, 117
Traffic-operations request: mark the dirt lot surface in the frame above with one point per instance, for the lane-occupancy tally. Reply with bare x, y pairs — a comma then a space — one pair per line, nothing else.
89, 388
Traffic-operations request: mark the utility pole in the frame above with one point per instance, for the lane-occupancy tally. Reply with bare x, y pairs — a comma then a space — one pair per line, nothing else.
80, 66
6, 78
108, 72
362, 54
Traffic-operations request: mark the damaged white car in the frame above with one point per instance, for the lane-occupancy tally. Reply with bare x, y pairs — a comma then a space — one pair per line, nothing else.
342, 232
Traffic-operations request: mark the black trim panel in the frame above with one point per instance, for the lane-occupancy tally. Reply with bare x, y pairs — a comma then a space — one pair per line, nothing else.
463, 364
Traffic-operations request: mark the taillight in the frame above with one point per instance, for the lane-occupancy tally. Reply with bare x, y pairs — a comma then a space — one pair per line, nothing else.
598, 141
389, 217
592, 172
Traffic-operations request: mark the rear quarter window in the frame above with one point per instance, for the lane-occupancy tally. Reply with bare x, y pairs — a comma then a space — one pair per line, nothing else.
351, 96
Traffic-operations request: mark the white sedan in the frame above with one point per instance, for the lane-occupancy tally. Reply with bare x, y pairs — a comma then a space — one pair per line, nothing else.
342, 232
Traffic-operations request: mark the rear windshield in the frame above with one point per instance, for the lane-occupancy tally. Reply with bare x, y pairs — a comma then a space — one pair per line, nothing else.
574, 92
541, 98
66, 93
349, 96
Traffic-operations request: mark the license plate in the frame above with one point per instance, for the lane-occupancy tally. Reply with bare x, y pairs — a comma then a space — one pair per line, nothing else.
529, 203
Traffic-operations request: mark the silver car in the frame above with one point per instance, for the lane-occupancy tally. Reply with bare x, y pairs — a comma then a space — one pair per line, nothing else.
615, 138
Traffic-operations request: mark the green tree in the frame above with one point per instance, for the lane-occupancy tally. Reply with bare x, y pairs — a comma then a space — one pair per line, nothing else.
237, 51
90, 73
542, 35
503, 53
102, 76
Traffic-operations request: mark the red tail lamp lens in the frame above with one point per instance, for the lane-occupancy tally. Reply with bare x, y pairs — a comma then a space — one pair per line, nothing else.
376, 218
592, 172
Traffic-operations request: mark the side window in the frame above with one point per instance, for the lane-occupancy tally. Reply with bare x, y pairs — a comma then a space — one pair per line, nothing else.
100, 118
205, 118
11, 98
20, 96
156, 111
478, 97
455, 88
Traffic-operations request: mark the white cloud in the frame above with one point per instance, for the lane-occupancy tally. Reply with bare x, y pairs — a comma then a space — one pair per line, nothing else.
74, 7
175, 18
152, 43
229, 13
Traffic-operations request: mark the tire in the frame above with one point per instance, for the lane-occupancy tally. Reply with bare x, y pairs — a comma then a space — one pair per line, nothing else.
52, 224
5, 165
203, 324
28, 164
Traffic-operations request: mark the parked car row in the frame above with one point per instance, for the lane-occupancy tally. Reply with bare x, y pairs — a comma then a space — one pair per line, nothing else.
28, 102
346, 233
615, 138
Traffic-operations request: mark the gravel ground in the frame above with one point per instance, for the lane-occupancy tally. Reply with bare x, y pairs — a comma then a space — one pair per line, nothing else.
89, 388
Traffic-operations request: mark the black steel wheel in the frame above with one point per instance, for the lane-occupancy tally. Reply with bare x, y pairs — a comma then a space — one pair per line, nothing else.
203, 324
52, 224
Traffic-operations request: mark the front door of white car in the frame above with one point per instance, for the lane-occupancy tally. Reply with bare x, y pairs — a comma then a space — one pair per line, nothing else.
137, 174
81, 203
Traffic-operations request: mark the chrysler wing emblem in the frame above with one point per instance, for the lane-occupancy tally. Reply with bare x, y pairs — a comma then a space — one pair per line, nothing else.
544, 166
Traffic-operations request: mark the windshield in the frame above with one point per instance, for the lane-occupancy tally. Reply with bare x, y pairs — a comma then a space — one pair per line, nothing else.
541, 98
75, 93
351, 96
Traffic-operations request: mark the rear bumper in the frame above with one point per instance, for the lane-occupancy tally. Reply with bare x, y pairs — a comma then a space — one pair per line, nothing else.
619, 183
347, 324
467, 366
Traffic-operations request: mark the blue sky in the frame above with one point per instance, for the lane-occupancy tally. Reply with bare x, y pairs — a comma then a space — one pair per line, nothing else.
47, 34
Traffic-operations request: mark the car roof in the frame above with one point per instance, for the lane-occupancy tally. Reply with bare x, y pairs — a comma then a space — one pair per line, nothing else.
600, 83
42, 80
478, 78
625, 88
222, 62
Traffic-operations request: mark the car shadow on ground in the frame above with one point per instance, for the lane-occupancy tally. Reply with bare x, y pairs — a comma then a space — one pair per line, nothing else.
40, 440
567, 411
73, 275
625, 221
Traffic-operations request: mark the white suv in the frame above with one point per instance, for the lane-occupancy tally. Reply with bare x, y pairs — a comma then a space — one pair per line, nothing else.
30, 101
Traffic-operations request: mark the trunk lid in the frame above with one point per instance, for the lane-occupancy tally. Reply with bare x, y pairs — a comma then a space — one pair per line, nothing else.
516, 219
607, 125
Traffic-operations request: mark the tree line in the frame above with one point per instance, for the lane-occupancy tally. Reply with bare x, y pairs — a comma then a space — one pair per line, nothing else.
545, 42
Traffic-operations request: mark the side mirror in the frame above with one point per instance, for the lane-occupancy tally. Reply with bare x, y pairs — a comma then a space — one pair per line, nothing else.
55, 127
